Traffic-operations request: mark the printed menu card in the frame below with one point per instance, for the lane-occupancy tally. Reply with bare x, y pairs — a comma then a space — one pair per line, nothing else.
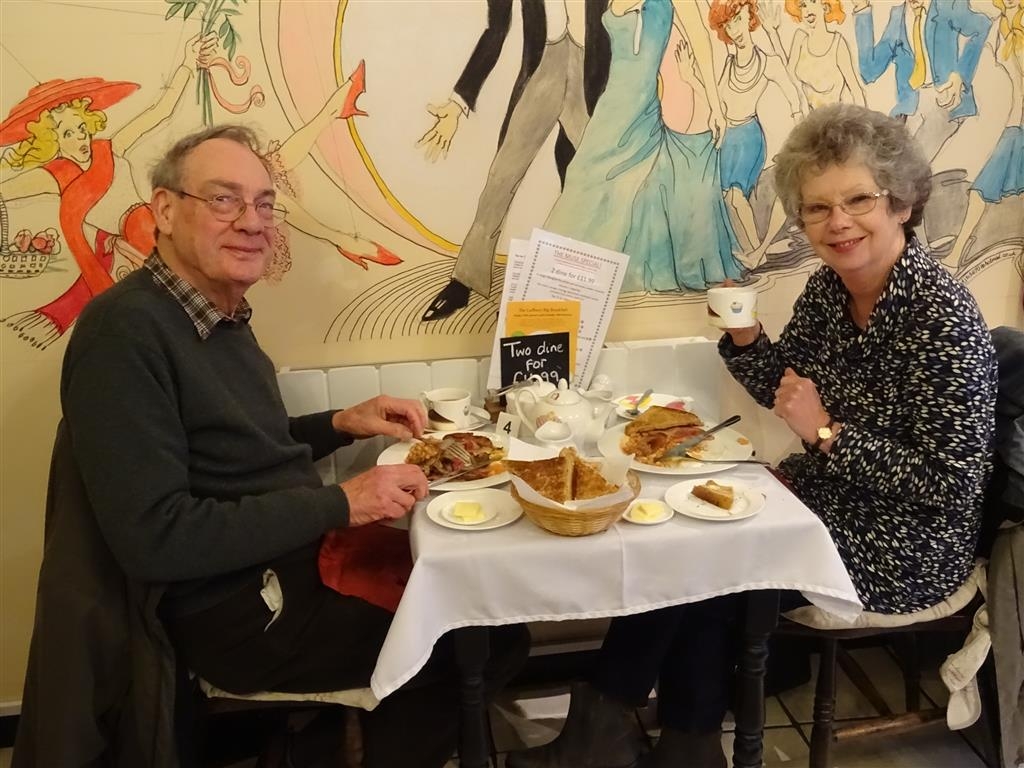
550, 267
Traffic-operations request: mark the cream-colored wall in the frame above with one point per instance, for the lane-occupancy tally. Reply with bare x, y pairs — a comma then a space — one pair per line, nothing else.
366, 177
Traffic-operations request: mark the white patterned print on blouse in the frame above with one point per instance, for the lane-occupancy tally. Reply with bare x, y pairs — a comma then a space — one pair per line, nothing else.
901, 489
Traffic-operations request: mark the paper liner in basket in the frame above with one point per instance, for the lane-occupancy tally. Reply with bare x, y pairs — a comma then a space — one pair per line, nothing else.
609, 470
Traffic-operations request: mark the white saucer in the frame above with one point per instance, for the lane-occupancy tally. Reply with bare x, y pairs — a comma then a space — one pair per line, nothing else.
499, 507
746, 503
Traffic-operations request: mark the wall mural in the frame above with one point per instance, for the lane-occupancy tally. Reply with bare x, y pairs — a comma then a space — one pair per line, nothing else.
411, 140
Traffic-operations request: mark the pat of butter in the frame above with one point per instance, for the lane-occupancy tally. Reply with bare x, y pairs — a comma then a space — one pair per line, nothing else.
648, 510
468, 512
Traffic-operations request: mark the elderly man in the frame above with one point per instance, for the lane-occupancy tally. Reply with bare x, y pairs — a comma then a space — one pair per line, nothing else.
200, 480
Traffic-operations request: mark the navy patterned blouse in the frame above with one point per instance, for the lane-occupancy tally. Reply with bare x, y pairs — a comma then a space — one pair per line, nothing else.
900, 491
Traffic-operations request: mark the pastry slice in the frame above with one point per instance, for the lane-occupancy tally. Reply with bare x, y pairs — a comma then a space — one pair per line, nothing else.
713, 493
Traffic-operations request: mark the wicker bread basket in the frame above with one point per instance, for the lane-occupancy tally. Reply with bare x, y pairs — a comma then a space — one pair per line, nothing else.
566, 522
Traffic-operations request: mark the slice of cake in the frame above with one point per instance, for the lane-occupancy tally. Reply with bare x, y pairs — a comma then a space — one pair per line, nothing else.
713, 493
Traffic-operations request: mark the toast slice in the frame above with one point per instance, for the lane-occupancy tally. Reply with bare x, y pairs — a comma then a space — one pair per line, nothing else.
660, 417
713, 493
587, 480
551, 478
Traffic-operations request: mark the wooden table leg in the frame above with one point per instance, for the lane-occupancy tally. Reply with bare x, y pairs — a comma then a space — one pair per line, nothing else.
472, 648
761, 617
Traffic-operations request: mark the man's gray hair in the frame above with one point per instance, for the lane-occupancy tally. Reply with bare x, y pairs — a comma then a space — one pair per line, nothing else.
168, 170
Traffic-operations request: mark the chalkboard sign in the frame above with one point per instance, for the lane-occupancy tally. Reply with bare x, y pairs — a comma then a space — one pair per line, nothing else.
543, 354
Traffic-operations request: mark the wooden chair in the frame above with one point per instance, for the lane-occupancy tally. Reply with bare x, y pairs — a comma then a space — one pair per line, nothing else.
115, 695
955, 616
212, 702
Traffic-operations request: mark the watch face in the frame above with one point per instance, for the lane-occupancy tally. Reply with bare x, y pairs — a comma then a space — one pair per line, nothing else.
824, 433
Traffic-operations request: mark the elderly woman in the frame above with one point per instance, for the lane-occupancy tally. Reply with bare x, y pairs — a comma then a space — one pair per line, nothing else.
886, 373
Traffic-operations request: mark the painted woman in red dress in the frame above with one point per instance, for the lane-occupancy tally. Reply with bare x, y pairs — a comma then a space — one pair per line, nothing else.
51, 140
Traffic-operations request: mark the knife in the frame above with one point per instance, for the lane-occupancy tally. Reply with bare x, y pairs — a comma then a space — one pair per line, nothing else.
464, 471
679, 450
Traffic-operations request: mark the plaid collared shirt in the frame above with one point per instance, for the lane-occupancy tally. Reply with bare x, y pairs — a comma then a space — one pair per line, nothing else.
204, 315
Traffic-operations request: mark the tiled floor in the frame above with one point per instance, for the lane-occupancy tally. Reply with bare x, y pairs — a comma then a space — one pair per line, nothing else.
525, 718
528, 717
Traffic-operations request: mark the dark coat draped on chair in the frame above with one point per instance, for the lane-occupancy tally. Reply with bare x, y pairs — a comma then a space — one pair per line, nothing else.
99, 689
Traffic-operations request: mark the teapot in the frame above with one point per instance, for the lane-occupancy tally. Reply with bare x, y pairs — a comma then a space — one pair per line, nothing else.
535, 384
584, 412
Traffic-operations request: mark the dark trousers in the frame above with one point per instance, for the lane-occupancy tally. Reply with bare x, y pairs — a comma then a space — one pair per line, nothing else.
689, 650
325, 641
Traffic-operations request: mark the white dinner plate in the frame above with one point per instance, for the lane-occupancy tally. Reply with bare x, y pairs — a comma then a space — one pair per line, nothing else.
746, 501
668, 401
727, 445
666, 513
498, 506
396, 453
479, 415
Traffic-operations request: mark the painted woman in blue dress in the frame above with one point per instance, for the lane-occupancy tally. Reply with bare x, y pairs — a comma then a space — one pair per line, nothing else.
638, 187
1003, 173
747, 73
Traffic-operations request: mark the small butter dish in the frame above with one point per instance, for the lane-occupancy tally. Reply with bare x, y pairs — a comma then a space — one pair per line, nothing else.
648, 512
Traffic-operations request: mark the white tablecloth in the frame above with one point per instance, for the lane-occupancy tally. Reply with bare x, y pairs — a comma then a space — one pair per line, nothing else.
522, 573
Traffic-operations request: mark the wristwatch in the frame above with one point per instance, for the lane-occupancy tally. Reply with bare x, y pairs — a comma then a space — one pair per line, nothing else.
826, 433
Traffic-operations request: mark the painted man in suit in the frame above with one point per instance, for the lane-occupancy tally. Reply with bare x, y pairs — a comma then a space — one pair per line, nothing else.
934, 46
565, 67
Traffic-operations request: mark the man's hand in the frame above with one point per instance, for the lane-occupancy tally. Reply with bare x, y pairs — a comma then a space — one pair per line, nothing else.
798, 403
948, 95
438, 139
384, 493
383, 415
860, 5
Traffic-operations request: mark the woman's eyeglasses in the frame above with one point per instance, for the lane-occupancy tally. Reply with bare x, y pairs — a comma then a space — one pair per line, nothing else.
229, 208
855, 205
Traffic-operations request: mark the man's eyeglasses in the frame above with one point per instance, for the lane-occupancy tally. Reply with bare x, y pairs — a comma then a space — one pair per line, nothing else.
855, 205
229, 208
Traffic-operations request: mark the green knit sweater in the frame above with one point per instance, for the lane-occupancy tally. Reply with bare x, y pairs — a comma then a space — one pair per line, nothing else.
195, 471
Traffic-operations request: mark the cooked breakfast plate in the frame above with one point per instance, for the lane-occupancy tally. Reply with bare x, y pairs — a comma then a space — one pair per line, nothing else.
496, 508
727, 445
746, 501
479, 443
622, 404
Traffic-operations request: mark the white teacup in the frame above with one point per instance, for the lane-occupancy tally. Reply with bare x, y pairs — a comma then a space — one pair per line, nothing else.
732, 307
447, 408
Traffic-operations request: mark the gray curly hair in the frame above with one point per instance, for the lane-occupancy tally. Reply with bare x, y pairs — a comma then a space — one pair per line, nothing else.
167, 171
846, 133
